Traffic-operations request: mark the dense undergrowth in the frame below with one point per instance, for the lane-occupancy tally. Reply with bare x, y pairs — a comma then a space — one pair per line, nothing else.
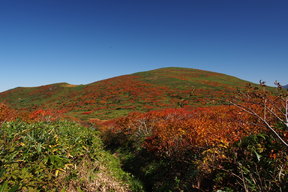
57, 156
63, 156
254, 163
237, 147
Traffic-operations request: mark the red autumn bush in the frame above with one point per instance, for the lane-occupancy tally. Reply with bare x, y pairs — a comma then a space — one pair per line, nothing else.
173, 131
44, 115
6, 113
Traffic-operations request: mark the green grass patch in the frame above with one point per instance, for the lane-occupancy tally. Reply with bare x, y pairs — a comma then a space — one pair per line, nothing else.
58, 156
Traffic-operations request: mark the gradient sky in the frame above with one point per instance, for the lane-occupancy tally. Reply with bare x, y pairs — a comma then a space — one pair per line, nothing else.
82, 41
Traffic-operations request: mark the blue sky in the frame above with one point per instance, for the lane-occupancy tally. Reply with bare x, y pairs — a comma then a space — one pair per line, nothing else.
82, 41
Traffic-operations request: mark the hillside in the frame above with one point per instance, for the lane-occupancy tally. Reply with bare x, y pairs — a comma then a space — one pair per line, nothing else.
196, 144
114, 97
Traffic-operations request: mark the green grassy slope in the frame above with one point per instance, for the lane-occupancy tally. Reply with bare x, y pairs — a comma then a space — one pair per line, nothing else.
185, 78
114, 97
58, 156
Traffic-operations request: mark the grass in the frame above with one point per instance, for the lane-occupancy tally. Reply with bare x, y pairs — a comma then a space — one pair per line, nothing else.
58, 156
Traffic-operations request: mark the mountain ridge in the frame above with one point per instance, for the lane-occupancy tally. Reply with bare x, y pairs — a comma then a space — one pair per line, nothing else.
113, 97
66, 84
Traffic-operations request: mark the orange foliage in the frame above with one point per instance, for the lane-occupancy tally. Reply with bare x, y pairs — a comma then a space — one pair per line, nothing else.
269, 108
175, 130
6, 113
101, 124
44, 115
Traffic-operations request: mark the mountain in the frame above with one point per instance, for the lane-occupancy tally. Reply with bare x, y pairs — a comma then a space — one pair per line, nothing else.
114, 97
286, 86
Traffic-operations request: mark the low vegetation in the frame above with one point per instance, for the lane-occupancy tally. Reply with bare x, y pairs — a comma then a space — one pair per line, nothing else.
57, 156
190, 130
235, 147
115, 97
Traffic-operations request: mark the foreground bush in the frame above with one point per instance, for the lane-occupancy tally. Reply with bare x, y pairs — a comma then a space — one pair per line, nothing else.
57, 156
255, 163
207, 149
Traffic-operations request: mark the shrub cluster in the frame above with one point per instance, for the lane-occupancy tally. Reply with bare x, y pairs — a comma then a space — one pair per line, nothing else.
207, 149
57, 156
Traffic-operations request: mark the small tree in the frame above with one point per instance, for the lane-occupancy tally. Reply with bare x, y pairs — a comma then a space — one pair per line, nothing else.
270, 107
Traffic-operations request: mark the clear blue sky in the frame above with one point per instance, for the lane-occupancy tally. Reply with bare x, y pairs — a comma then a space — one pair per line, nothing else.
82, 41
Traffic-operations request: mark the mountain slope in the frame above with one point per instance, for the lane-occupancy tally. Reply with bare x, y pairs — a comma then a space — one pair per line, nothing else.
114, 97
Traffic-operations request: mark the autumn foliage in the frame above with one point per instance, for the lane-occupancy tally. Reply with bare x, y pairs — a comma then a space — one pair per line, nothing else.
9, 114
269, 108
118, 96
6, 113
176, 128
227, 144
45, 115
173, 131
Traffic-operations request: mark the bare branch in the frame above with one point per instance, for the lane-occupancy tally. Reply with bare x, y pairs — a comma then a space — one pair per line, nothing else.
273, 113
260, 118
